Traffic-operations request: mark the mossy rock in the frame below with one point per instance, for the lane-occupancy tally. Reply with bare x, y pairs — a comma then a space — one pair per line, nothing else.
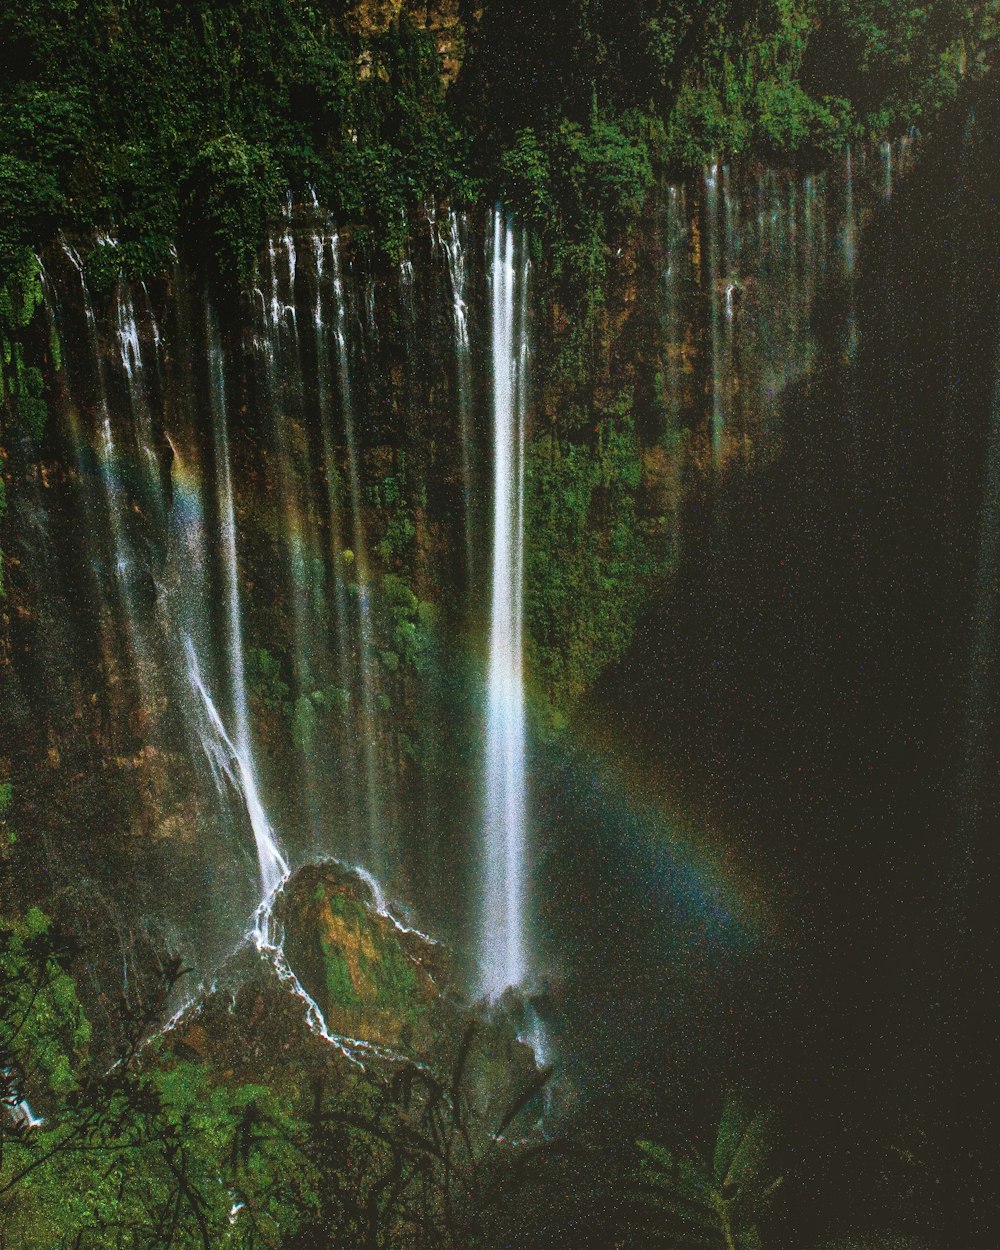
374, 982
370, 979
378, 982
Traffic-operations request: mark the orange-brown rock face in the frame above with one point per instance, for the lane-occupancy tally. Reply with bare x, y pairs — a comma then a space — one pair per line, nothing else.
371, 979
439, 17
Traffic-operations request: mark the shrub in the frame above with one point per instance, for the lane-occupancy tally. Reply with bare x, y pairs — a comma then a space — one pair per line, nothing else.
232, 189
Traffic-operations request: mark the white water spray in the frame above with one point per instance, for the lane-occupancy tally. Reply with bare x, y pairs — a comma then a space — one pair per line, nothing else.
219, 745
503, 958
366, 645
451, 242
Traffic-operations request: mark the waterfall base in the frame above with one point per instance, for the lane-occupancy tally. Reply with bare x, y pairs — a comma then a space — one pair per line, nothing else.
329, 973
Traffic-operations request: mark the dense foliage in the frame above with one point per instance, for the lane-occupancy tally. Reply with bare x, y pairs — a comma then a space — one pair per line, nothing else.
154, 116
160, 1148
163, 1148
583, 98
588, 565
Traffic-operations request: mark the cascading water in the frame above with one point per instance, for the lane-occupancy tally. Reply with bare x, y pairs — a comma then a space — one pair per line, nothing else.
322, 246
376, 849
126, 558
130, 346
220, 746
761, 259
504, 959
454, 250
282, 367
283, 389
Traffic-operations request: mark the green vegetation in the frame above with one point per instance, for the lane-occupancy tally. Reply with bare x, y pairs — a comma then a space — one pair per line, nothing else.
386, 976
22, 350
403, 627
151, 1151
686, 1199
388, 499
722, 76
20, 299
577, 186
162, 119
231, 191
588, 567
583, 100
162, 1150
403, 624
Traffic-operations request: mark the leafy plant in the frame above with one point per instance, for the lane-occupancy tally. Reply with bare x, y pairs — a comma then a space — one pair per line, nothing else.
232, 190
684, 1198
418, 1163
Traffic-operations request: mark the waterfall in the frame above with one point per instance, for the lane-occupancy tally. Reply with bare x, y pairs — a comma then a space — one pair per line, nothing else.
504, 957
232, 753
366, 638
139, 400
126, 556
322, 244
455, 254
717, 379
283, 387
763, 272
319, 723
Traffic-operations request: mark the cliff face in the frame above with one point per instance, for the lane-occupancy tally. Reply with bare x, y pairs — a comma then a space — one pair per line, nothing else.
440, 18
818, 682
248, 594
249, 563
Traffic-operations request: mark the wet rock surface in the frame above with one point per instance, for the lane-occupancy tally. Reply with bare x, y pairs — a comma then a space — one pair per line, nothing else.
389, 997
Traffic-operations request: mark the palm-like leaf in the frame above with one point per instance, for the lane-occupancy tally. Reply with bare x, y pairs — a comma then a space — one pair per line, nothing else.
679, 1199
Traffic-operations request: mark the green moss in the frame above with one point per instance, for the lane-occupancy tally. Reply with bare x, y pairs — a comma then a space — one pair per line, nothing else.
381, 963
264, 672
305, 722
395, 983
350, 910
339, 986
587, 564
